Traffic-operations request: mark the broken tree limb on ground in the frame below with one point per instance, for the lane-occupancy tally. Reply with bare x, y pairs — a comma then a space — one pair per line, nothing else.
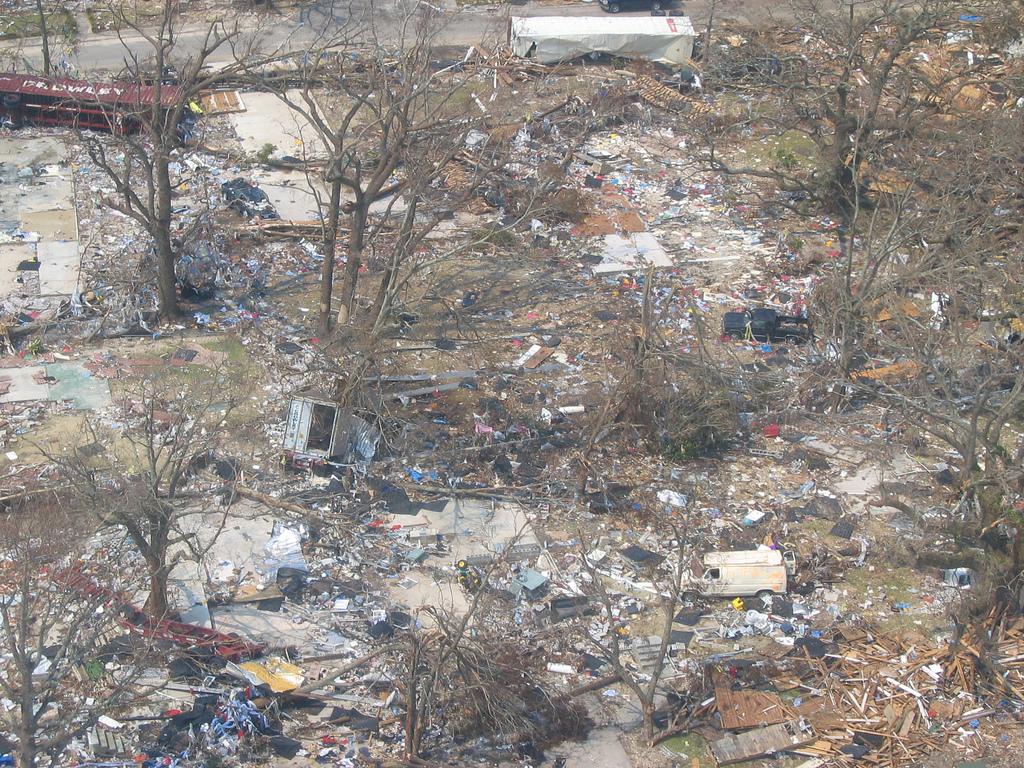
330, 677
270, 501
595, 685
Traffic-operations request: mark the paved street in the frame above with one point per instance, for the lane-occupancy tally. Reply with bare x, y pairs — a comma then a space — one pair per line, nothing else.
299, 28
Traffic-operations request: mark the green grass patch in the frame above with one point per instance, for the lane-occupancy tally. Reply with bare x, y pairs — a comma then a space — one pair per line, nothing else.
688, 746
60, 25
791, 152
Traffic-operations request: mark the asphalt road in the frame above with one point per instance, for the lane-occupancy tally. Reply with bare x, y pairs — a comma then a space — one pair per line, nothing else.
300, 29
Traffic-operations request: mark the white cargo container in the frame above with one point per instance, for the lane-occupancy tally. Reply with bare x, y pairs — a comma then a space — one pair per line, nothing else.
551, 39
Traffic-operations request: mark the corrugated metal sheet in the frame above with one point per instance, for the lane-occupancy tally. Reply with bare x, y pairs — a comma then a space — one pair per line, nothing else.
83, 91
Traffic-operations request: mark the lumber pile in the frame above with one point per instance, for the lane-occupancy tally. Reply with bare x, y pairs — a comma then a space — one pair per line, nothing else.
860, 696
663, 97
890, 702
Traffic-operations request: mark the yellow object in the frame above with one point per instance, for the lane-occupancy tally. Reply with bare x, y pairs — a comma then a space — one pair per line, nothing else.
275, 672
737, 603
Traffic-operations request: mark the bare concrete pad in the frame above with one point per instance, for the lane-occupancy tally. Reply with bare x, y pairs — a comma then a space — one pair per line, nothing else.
23, 386
291, 193
51, 224
469, 527
59, 264
295, 195
74, 383
11, 255
37, 196
446, 595
268, 120
602, 749
276, 629
69, 381
32, 179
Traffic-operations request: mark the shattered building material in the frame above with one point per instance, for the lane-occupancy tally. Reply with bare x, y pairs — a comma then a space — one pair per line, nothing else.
742, 709
762, 741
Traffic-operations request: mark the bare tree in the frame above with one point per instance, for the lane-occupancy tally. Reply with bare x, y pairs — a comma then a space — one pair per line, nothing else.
670, 585
390, 123
139, 163
53, 639
936, 302
855, 92
863, 92
170, 430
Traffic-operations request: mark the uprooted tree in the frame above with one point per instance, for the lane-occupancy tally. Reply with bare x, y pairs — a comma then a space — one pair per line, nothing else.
464, 672
55, 642
678, 404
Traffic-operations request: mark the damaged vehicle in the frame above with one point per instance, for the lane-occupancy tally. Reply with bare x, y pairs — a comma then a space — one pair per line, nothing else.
248, 199
765, 325
319, 431
745, 573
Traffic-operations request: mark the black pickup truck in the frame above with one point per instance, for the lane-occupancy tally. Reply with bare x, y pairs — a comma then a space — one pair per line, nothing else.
766, 325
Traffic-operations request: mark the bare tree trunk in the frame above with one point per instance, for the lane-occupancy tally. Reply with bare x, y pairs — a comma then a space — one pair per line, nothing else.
707, 34
385, 298
330, 246
28, 749
412, 703
166, 280
44, 33
156, 603
648, 710
357, 237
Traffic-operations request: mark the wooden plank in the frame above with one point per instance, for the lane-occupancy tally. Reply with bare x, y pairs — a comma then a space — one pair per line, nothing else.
538, 357
222, 102
749, 709
760, 742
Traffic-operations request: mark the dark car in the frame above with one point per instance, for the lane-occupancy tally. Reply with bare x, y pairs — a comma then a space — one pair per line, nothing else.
247, 199
614, 6
765, 325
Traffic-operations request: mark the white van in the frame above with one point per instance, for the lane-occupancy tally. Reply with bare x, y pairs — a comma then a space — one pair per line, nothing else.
759, 572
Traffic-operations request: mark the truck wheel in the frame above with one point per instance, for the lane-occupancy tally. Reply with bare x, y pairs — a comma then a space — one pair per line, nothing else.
764, 594
614, 7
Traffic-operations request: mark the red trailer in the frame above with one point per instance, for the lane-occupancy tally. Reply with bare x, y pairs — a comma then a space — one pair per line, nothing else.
112, 107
